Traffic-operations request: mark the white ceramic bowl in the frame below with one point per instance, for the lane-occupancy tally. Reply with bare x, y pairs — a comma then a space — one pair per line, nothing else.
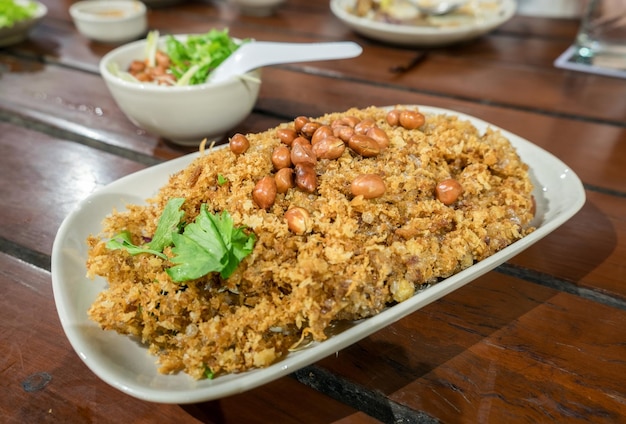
19, 30
257, 7
186, 114
110, 21
422, 36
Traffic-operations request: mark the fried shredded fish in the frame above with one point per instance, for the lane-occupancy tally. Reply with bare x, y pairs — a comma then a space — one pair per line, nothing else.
444, 197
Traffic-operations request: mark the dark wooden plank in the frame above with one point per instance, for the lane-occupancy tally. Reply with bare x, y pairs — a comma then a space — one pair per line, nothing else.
41, 93
45, 179
45, 381
534, 371
498, 350
84, 108
475, 71
586, 251
533, 26
318, 12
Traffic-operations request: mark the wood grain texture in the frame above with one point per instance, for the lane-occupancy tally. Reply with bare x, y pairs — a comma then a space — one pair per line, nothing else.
499, 350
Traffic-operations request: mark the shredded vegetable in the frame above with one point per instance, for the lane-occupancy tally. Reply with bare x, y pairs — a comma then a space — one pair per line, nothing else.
189, 60
194, 58
152, 45
12, 12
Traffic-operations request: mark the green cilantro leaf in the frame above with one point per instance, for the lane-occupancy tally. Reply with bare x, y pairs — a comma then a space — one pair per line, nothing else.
168, 224
210, 244
221, 180
123, 241
196, 56
208, 374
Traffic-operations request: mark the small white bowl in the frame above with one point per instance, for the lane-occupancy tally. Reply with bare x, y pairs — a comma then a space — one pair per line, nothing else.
110, 21
182, 114
19, 30
257, 7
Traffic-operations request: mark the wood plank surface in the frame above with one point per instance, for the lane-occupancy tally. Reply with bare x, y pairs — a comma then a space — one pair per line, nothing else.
498, 350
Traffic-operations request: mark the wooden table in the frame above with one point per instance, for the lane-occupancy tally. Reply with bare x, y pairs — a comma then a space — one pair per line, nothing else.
540, 339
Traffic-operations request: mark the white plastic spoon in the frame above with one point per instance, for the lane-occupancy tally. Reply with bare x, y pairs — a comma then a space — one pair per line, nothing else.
256, 54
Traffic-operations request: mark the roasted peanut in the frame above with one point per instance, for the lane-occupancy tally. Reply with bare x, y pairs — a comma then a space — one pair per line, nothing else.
158, 71
364, 145
380, 136
143, 77
411, 119
286, 135
298, 220
284, 180
330, 147
369, 186
281, 157
306, 178
264, 193
348, 121
299, 122
393, 117
238, 144
300, 140
162, 59
364, 125
448, 191
309, 128
302, 153
344, 132
136, 66
321, 133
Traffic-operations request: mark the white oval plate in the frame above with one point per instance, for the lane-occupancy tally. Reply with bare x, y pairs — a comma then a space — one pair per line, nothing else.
19, 31
127, 365
421, 36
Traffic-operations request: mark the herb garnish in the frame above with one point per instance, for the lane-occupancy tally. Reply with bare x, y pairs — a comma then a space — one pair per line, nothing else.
12, 12
211, 243
194, 58
168, 224
208, 374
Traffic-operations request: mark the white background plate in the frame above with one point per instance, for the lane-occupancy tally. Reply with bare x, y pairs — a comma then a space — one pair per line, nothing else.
413, 35
19, 31
127, 366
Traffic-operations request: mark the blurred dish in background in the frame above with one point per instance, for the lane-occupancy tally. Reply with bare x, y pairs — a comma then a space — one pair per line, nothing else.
400, 21
17, 19
110, 21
